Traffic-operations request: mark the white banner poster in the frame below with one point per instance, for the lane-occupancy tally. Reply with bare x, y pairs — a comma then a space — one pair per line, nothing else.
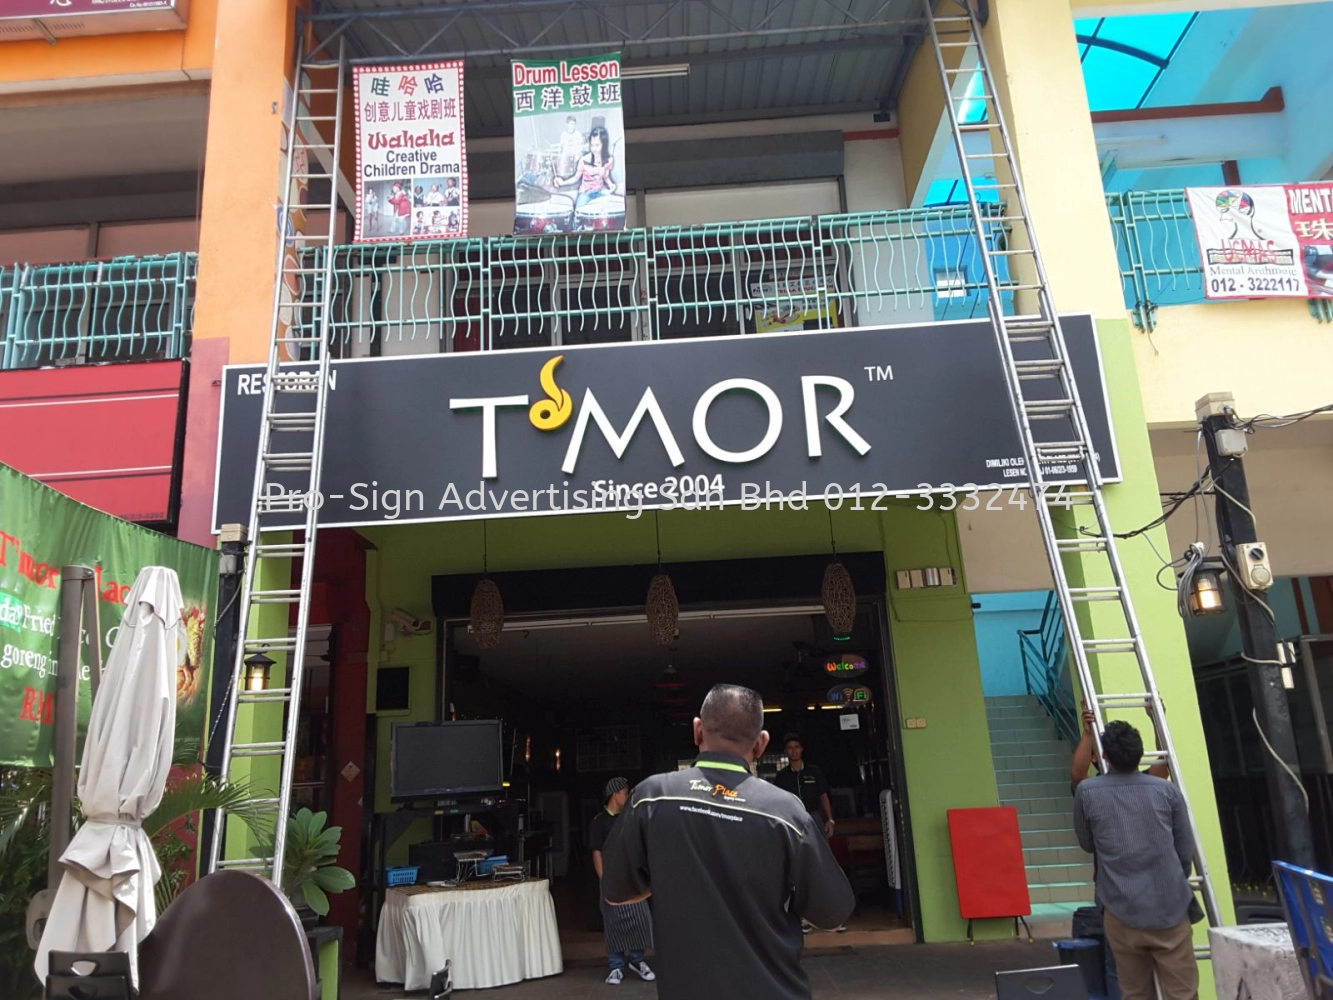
1247, 244
569, 139
411, 158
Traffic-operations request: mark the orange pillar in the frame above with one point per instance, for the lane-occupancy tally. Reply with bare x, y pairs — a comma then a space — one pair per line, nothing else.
238, 228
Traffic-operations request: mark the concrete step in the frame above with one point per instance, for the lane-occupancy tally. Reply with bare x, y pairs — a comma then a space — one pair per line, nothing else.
999, 701
1046, 856
1055, 789
1030, 776
1055, 805
1056, 839
1061, 819
1080, 874
1044, 734
1001, 716
1064, 893
1035, 761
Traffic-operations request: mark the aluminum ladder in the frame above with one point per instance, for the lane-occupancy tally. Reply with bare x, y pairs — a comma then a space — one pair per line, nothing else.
287, 463
1005, 237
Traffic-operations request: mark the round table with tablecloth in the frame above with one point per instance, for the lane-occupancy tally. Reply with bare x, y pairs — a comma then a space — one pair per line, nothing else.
493, 933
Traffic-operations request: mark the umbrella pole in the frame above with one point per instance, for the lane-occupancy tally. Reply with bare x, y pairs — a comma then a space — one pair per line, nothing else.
73, 582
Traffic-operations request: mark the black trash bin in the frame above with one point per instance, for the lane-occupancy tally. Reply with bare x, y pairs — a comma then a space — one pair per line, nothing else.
1086, 953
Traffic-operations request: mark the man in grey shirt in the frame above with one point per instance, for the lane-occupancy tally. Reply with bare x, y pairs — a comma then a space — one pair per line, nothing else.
1138, 827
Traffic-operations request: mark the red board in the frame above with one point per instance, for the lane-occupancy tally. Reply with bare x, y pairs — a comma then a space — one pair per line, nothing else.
103, 434
988, 863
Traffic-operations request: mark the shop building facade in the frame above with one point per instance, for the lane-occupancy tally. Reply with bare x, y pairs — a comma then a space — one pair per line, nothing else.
812, 157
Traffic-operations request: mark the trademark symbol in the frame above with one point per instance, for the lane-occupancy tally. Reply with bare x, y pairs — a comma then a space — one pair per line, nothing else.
879, 373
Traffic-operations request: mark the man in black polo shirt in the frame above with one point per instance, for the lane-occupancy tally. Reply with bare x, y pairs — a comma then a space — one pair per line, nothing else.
732, 864
806, 782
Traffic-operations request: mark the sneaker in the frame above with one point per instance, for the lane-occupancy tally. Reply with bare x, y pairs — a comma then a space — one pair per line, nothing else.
644, 973
806, 927
616, 977
840, 929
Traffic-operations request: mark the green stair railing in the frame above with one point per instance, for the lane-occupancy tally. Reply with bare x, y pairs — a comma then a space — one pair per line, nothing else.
649, 284
125, 309
1159, 255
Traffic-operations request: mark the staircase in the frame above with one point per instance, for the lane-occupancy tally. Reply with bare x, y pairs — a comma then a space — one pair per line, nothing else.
1032, 774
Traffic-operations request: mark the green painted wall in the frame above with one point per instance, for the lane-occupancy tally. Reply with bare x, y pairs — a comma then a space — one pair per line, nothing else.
1131, 504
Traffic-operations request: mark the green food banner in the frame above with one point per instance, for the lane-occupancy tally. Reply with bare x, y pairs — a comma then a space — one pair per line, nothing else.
40, 532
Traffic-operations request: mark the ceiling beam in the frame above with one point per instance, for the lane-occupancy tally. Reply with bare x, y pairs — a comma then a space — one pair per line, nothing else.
709, 117
870, 43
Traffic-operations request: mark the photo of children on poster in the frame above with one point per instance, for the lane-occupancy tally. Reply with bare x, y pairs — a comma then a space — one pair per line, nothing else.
1265, 241
569, 141
411, 159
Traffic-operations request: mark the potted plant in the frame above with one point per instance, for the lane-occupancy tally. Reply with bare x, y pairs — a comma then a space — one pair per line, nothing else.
309, 869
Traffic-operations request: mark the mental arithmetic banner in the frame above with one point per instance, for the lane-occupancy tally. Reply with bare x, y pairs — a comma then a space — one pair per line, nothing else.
40, 532
569, 146
1265, 241
411, 156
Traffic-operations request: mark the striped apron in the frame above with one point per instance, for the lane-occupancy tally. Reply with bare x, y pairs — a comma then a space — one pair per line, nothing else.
628, 928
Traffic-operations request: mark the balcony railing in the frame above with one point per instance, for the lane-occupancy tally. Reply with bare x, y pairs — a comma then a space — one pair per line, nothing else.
126, 309
1159, 255
646, 284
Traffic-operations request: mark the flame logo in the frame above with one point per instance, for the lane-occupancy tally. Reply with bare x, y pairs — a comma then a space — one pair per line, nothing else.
551, 414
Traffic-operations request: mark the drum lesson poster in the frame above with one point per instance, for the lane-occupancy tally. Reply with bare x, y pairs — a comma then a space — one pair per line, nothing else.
411, 159
569, 145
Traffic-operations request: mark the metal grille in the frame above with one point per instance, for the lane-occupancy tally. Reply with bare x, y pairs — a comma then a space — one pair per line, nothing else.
127, 309
647, 284
1159, 255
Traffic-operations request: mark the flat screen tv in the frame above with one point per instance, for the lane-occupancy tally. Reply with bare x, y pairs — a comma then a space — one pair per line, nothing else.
446, 760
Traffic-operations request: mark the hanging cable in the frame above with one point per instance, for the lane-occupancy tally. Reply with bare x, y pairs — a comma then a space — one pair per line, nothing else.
1268, 421
1254, 713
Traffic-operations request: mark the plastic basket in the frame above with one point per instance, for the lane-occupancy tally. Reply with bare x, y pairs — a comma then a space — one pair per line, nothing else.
400, 876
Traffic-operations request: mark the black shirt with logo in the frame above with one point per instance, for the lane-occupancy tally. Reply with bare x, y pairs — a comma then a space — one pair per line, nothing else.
733, 864
807, 784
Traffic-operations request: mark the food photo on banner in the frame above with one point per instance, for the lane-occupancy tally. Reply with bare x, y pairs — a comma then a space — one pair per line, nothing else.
411, 159
42, 531
1265, 241
569, 142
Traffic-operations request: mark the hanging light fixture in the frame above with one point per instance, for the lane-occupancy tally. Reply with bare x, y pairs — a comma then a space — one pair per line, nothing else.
257, 668
1206, 593
838, 593
487, 612
662, 609
670, 681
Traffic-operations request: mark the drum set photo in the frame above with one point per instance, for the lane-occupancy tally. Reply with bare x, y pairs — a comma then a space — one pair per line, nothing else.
553, 196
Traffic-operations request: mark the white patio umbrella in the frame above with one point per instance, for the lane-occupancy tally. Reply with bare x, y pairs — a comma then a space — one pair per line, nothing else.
105, 898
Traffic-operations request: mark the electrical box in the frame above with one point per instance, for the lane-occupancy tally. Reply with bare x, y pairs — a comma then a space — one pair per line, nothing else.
1231, 442
1253, 567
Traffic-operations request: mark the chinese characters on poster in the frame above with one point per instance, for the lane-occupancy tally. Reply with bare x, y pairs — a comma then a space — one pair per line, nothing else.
1265, 241
411, 162
569, 142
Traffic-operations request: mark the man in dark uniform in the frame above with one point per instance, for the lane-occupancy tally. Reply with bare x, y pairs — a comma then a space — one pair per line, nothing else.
731, 862
628, 929
806, 782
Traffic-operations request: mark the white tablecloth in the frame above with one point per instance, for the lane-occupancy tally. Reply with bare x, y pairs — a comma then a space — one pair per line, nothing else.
493, 936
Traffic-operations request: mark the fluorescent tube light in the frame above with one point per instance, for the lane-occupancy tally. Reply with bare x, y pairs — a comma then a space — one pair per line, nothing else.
654, 72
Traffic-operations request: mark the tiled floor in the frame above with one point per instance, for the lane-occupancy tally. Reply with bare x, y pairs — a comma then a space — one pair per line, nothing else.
903, 972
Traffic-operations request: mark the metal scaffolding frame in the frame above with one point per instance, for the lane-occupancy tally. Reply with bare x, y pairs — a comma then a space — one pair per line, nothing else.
487, 14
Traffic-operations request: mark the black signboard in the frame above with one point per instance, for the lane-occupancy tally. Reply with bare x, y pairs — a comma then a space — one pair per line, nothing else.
751, 420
